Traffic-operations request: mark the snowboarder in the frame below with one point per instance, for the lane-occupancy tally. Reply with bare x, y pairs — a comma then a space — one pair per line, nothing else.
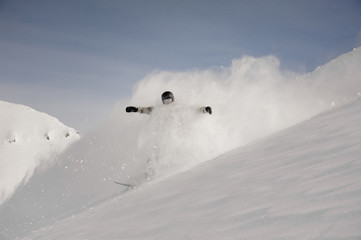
167, 98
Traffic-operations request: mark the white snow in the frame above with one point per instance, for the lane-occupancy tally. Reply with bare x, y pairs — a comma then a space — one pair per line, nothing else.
263, 166
301, 183
28, 139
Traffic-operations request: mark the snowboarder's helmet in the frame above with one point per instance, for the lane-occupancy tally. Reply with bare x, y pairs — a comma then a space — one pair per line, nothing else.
167, 97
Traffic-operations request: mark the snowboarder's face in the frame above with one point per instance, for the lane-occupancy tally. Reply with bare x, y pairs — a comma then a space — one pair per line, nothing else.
167, 101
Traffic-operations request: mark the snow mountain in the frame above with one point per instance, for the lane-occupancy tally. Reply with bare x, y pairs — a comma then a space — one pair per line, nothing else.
300, 183
28, 139
281, 161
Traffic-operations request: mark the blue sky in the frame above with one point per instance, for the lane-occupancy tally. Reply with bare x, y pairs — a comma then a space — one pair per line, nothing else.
70, 58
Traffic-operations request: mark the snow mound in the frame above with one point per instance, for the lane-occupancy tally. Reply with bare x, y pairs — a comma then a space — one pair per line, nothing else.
28, 139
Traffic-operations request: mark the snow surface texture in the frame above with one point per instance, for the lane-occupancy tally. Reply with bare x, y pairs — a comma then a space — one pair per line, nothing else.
301, 183
251, 99
28, 139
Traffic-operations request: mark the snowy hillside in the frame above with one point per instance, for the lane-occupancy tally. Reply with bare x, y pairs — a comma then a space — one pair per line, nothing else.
210, 180
28, 139
301, 183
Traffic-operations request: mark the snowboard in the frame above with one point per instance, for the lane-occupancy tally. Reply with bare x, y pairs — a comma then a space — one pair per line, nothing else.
129, 186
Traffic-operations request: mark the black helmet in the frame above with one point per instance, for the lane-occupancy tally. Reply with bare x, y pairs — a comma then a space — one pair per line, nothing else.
167, 97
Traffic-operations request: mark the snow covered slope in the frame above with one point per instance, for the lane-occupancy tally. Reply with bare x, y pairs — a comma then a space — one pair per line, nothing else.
28, 139
251, 99
301, 183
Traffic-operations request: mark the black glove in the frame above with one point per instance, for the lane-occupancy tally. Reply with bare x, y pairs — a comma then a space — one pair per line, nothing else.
131, 109
208, 110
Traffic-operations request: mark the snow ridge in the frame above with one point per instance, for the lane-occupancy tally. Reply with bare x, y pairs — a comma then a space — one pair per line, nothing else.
28, 139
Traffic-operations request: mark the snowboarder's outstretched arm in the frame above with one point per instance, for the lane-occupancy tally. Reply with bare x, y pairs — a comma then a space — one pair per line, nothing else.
146, 110
207, 109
